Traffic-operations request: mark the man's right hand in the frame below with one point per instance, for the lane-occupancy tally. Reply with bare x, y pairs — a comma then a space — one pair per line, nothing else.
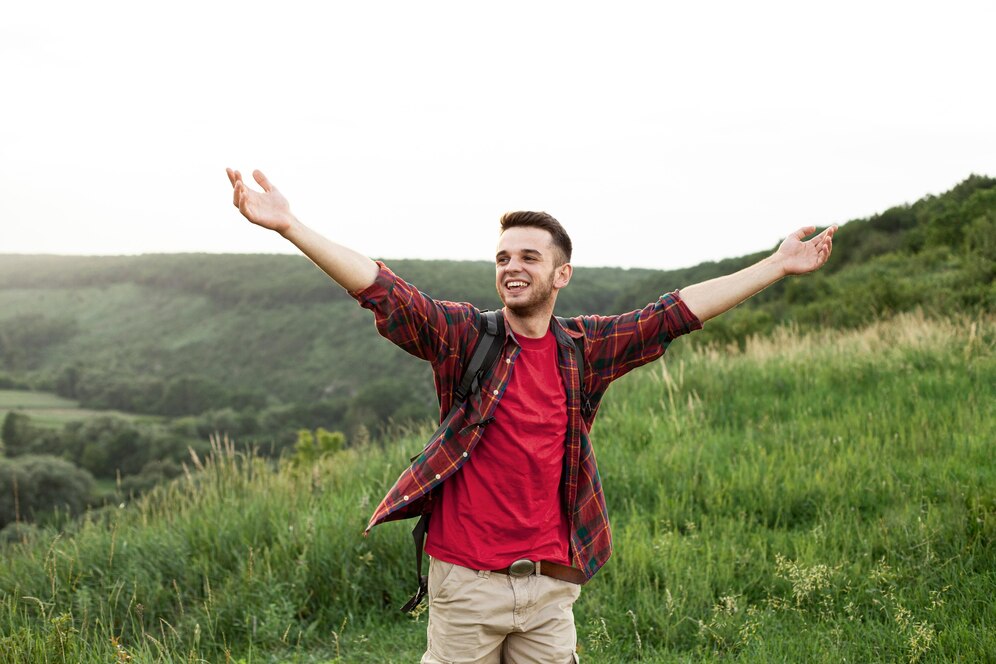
268, 208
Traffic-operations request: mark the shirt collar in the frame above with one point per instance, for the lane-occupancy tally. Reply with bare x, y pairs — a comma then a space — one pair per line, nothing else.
565, 335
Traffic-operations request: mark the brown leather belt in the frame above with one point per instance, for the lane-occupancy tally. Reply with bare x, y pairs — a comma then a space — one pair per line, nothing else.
525, 567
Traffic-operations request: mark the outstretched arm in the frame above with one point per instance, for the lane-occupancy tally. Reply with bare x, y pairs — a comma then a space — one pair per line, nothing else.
269, 209
795, 256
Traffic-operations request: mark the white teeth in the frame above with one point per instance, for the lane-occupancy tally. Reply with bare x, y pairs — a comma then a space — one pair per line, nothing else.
515, 284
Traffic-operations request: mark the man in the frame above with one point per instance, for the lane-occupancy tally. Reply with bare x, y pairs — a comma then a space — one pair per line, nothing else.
518, 517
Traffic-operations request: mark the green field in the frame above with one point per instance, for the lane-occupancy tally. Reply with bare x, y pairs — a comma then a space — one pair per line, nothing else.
819, 497
50, 410
24, 399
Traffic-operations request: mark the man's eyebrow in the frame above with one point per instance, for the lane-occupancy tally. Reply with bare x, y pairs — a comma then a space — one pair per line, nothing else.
522, 251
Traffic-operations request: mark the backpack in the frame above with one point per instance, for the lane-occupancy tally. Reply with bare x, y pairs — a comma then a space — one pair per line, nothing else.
489, 345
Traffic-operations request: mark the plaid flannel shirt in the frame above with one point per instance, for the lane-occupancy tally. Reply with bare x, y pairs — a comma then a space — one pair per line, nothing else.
444, 334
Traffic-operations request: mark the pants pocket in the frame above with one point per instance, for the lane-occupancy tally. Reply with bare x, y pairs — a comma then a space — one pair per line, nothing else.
440, 572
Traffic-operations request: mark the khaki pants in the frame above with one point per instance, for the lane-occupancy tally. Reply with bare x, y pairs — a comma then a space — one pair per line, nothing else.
486, 618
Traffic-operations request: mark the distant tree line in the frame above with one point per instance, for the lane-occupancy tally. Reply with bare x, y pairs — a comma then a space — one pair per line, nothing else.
138, 454
101, 389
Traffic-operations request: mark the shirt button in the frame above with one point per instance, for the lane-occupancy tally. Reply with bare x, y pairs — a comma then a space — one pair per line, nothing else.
437, 476
495, 393
406, 498
465, 454
508, 360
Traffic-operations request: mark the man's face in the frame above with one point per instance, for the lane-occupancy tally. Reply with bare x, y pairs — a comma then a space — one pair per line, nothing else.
526, 272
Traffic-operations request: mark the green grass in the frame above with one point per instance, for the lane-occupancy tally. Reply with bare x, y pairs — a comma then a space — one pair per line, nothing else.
817, 497
52, 411
24, 399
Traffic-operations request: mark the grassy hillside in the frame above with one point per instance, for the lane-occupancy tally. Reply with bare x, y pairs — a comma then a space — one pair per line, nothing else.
937, 254
182, 334
260, 347
820, 496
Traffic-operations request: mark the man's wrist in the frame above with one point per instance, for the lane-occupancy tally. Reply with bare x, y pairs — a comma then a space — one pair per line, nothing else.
776, 264
292, 229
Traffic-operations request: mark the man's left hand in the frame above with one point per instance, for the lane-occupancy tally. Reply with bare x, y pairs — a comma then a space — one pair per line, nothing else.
796, 256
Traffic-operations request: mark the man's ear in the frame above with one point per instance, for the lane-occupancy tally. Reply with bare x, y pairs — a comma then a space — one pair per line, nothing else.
562, 275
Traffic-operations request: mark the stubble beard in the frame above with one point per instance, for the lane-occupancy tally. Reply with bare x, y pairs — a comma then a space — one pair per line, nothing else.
537, 301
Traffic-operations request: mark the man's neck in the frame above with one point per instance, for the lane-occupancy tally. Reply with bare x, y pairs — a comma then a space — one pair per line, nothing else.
533, 325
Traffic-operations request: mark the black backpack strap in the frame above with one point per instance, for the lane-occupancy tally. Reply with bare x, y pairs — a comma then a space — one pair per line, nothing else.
418, 534
579, 360
490, 342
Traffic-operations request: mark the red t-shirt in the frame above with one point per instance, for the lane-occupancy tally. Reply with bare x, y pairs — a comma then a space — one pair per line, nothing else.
504, 503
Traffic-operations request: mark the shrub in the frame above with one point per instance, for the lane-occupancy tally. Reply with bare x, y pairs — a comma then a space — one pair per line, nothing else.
36, 487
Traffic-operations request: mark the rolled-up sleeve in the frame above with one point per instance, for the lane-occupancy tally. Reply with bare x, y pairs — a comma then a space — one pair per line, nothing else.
619, 344
425, 327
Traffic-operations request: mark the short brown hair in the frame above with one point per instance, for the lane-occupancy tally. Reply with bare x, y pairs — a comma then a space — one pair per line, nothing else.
561, 240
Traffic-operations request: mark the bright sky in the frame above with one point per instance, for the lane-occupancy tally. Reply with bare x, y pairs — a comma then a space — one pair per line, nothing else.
660, 134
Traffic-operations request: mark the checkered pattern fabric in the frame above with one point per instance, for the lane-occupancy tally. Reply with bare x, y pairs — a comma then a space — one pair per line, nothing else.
444, 333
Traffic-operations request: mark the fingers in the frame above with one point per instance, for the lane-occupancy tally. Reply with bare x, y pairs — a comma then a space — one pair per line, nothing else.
238, 191
243, 206
825, 237
823, 252
236, 179
803, 232
261, 179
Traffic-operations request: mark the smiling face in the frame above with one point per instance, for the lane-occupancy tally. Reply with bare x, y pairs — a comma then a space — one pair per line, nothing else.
529, 270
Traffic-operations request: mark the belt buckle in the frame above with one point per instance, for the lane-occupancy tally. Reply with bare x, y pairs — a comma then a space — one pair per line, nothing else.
522, 567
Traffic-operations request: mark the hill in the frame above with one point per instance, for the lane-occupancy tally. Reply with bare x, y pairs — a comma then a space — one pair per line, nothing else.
264, 341
180, 334
822, 496
937, 254
813, 464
